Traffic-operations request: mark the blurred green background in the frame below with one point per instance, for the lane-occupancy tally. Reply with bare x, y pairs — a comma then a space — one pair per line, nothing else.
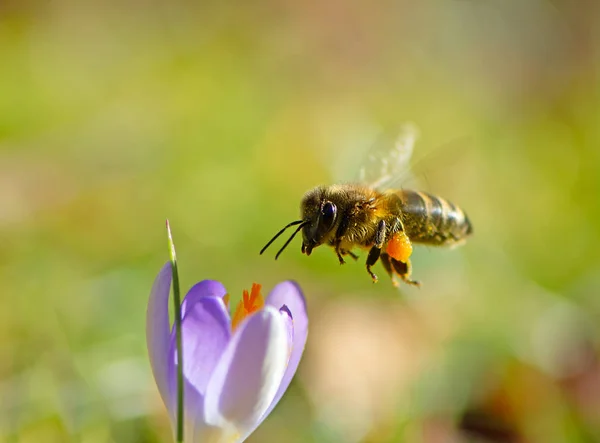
116, 115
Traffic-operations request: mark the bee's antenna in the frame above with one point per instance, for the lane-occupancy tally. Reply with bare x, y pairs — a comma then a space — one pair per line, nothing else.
279, 233
303, 223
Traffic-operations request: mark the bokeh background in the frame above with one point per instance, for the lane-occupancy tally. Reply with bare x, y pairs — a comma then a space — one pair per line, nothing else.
116, 115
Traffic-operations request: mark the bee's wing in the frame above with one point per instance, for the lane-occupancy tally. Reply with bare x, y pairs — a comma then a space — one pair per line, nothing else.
388, 161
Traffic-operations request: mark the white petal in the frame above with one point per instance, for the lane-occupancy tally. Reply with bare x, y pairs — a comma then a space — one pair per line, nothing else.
248, 374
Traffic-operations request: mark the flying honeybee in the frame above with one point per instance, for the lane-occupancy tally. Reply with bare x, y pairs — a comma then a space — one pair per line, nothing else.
374, 217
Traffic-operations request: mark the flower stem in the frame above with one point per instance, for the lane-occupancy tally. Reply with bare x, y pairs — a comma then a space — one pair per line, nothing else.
177, 303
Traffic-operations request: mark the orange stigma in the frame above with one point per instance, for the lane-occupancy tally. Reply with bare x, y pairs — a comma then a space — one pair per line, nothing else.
249, 304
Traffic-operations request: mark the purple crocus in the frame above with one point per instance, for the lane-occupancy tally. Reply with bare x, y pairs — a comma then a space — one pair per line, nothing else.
234, 375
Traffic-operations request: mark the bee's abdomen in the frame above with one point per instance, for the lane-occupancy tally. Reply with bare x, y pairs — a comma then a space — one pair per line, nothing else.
432, 220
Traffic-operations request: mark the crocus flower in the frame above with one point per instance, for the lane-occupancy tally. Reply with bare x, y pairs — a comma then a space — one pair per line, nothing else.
235, 370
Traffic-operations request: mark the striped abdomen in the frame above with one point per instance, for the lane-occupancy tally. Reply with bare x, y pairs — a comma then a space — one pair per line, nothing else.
432, 220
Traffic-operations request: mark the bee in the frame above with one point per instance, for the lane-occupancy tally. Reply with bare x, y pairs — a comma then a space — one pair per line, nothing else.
384, 221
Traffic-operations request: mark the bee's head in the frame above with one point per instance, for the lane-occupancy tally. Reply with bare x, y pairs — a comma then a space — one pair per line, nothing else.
319, 215
318, 223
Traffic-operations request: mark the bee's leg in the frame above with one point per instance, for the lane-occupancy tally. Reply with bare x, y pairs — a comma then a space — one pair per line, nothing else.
371, 260
339, 255
343, 252
387, 265
404, 270
376, 249
339, 233
351, 254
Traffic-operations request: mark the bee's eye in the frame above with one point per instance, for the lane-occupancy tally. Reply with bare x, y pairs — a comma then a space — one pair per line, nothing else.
328, 213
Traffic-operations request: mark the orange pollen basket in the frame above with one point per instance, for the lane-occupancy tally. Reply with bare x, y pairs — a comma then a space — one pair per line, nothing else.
249, 304
399, 247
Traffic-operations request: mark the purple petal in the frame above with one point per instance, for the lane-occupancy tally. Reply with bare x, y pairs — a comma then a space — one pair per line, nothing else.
249, 373
205, 333
157, 333
193, 409
206, 330
290, 295
205, 288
